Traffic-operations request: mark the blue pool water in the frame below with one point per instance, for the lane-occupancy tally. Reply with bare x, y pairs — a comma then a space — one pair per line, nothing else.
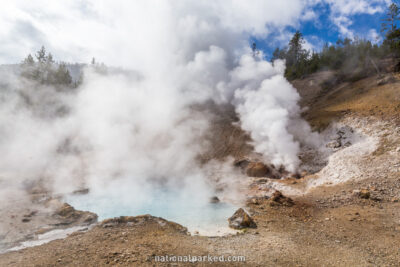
190, 210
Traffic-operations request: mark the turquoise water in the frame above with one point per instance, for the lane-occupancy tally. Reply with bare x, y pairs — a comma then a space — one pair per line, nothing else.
190, 210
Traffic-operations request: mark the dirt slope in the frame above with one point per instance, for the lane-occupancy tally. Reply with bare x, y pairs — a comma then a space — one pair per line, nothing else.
363, 98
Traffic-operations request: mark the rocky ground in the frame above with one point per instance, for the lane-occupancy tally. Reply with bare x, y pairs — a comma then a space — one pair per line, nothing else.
344, 210
23, 220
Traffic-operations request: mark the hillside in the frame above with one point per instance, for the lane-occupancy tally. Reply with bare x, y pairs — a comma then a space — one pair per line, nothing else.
346, 212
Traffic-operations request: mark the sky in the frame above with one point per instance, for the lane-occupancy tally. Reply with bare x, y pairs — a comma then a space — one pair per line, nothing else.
77, 30
328, 21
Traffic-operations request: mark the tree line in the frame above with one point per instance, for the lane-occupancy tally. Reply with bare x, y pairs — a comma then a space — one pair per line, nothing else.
358, 56
44, 70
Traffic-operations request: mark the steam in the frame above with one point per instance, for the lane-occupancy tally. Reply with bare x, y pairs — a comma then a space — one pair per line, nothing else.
128, 133
267, 105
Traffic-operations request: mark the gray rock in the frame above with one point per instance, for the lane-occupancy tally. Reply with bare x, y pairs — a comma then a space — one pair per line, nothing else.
240, 220
214, 200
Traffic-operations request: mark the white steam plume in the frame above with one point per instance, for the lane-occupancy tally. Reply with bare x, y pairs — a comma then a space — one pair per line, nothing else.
125, 133
268, 108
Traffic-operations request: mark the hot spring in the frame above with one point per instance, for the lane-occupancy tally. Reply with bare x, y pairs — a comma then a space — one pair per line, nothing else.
192, 210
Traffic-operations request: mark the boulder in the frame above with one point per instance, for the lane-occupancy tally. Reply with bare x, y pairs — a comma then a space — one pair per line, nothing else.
65, 210
214, 200
257, 169
347, 144
241, 163
83, 191
255, 200
278, 197
376, 197
364, 193
142, 220
89, 217
334, 144
240, 219
69, 215
274, 173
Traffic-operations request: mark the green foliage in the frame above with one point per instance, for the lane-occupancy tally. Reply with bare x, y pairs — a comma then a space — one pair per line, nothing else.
279, 54
62, 75
297, 58
41, 55
393, 41
28, 67
295, 53
390, 30
29, 61
392, 17
352, 59
45, 71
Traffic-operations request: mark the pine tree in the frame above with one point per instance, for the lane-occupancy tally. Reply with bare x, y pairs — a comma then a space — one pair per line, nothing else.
389, 23
296, 57
389, 28
49, 59
41, 55
28, 67
295, 48
62, 76
278, 54
28, 61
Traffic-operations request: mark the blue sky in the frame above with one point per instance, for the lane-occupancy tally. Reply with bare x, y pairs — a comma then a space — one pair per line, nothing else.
325, 28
